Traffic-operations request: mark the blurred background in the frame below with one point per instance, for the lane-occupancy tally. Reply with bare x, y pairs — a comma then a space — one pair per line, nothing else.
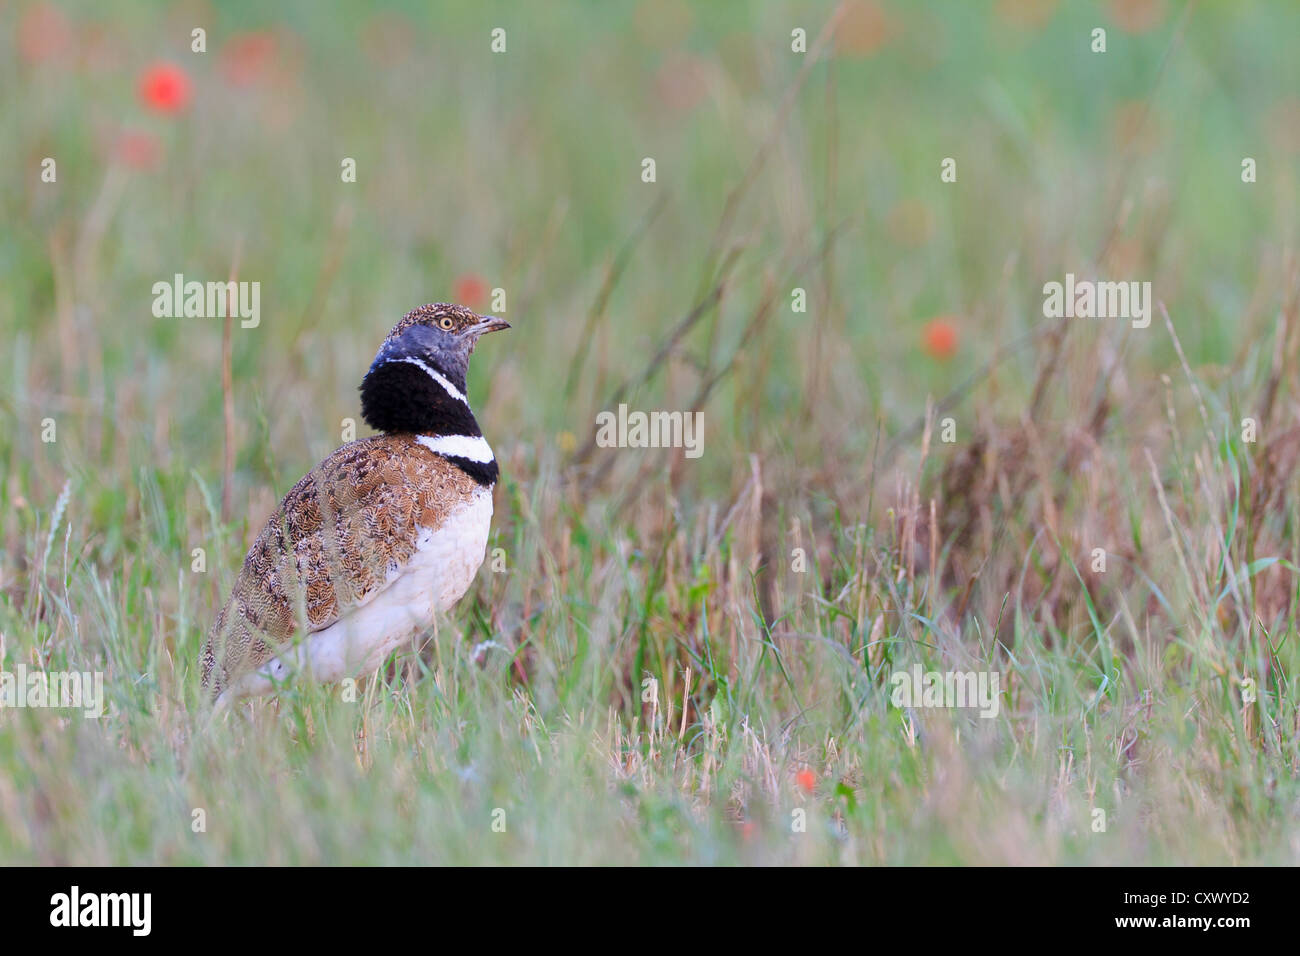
522, 171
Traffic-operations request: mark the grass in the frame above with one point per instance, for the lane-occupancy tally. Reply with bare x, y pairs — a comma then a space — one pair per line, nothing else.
650, 679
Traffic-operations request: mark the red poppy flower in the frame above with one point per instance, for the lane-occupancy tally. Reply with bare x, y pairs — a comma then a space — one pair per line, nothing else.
806, 779
246, 56
388, 38
940, 339
682, 82
472, 291
863, 29
43, 33
1026, 14
165, 87
138, 150
1137, 16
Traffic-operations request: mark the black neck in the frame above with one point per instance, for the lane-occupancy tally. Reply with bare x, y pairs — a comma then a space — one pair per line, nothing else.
485, 473
402, 397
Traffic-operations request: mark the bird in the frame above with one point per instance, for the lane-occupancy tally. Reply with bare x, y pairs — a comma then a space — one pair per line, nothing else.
384, 533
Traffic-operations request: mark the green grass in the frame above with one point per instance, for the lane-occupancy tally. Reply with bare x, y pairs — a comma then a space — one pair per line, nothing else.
1121, 691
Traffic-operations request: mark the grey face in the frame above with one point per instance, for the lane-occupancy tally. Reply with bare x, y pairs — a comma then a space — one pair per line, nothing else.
445, 350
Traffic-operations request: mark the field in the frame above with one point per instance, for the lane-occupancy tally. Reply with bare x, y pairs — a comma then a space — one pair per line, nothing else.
668, 658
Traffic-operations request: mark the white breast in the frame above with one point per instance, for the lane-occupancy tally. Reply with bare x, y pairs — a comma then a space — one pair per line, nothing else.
437, 576
447, 558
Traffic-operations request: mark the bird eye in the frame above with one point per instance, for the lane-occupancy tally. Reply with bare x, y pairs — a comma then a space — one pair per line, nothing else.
445, 322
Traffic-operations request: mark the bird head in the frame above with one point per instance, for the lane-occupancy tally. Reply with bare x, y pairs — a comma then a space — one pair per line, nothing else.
417, 381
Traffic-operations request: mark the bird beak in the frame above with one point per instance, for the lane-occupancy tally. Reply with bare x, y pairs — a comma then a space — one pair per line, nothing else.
488, 323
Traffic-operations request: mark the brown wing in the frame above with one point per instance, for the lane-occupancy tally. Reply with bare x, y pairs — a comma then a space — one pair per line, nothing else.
330, 545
